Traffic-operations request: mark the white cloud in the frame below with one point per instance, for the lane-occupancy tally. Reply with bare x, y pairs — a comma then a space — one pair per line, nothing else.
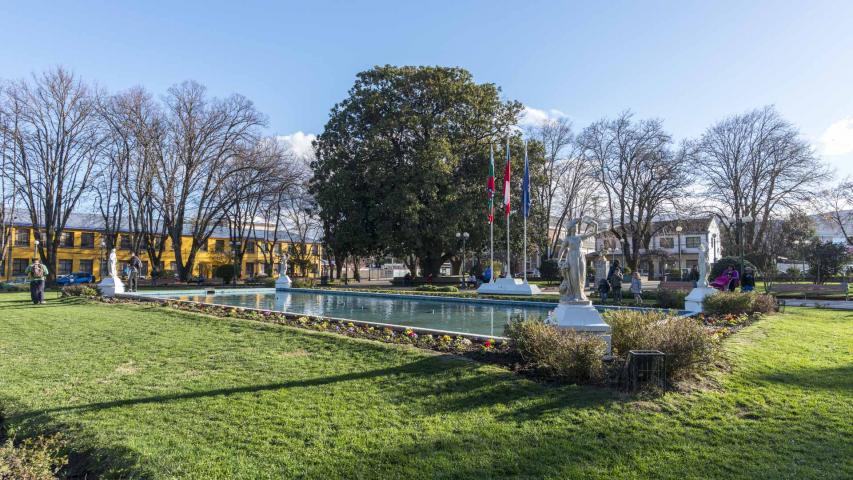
532, 117
299, 143
838, 138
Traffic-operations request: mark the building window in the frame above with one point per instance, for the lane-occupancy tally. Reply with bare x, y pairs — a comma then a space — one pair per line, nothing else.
250, 247
278, 249
22, 237
85, 266
219, 246
124, 242
19, 266
67, 239
87, 240
173, 266
250, 269
667, 242
314, 249
64, 267
203, 246
692, 242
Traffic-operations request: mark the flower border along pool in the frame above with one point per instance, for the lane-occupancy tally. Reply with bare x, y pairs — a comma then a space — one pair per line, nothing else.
166, 296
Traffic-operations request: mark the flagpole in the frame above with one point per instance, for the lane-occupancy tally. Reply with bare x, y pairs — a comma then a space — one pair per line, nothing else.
492, 217
524, 214
507, 195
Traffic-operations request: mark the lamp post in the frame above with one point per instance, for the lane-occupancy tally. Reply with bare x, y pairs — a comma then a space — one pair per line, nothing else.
714, 245
678, 230
739, 223
235, 247
103, 249
464, 236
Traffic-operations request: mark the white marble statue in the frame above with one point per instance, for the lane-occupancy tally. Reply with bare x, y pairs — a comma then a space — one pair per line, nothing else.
572, 262
282, 266
704, 266
112, 269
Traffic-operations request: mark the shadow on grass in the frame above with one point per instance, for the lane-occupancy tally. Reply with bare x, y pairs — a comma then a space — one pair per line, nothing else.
836, 378
456, 387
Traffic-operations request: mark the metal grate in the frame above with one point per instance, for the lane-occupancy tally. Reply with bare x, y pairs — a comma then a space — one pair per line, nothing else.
645, 367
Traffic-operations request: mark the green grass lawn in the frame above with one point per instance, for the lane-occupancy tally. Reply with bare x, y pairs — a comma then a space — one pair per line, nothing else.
149, 392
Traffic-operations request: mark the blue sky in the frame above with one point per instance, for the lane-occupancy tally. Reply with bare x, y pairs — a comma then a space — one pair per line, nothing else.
689, 63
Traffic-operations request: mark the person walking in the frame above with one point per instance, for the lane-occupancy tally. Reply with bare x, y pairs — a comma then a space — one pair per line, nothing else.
135, 269
637, 288
36, 274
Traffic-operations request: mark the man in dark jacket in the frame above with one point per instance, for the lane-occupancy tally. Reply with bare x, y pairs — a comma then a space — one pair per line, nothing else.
135, 270
36, 274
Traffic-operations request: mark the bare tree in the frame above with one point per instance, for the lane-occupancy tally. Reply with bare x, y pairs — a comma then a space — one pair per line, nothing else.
639, 173
8, 190
203, 137
836, 207
56, 130
756, 165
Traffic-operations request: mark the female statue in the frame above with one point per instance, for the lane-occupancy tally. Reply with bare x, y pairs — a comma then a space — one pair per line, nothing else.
112, 270
572, 262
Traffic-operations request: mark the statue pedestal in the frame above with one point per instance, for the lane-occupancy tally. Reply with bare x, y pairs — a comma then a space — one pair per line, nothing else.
110, 286
581, 317
509, 286
283, 282
693, 301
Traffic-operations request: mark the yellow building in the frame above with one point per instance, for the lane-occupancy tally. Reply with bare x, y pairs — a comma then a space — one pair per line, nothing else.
82, 250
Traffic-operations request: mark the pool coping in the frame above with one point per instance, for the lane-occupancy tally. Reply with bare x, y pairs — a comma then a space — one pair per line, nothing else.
292, 315
407, 296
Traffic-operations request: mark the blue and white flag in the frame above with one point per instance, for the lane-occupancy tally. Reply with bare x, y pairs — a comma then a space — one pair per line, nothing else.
525, 186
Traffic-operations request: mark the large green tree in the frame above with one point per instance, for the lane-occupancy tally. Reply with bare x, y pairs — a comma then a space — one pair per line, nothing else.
401, 164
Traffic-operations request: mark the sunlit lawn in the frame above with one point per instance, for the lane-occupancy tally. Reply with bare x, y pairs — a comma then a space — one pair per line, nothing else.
144, 391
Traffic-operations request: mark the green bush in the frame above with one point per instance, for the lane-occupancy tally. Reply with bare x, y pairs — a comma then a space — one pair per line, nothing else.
671, 299
268, 282
560, 354
15, 287
686, 343
302, 282
225, 272
549, 269
727, 262
79, 291
436, 288
37, 458
736, 303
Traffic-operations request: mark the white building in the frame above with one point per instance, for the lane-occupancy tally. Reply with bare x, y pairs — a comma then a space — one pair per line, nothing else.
674, 245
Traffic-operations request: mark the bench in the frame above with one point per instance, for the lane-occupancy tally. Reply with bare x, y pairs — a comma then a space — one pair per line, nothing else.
684, 286
806, 289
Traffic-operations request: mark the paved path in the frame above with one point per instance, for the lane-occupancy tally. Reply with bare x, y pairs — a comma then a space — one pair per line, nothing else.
833, 304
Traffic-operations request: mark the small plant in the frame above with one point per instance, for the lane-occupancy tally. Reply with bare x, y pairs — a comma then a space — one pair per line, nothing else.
37, 458
79, 291
302, 283
561, 354
436, 288
684, 340
225, 272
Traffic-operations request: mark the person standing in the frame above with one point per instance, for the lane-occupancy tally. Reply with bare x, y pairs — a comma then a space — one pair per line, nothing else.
748, 282
637, 288
135, 269
36, 274
616, 279
734, 280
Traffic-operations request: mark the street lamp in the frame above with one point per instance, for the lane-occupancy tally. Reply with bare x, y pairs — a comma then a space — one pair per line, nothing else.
714, 245
235, 248
678, 230
464, 236
739, 223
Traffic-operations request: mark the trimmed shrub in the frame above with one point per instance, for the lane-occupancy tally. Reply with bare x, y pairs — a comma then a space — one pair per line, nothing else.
436, 288
37, 458
671, 299
736, 303
549, 269
302, 282
564, 355
225, 272
686, 343
79, 291
268, 282
15, 287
